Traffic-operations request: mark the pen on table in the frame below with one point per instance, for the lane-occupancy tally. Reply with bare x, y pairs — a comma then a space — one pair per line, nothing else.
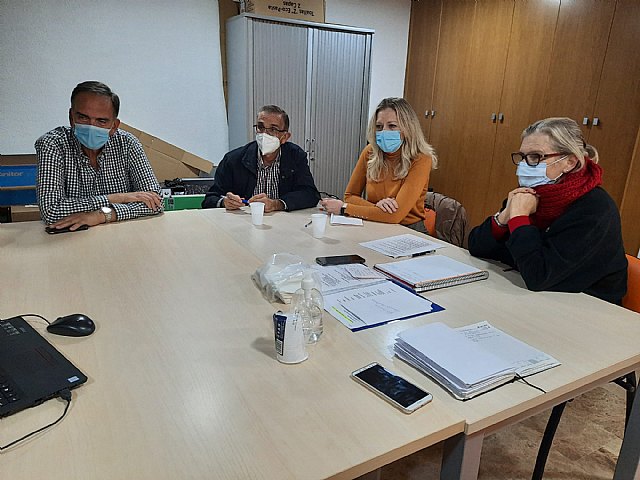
246, 202
419, 254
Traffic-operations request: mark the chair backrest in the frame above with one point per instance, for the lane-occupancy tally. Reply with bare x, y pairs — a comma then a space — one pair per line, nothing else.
451, 218
632, 299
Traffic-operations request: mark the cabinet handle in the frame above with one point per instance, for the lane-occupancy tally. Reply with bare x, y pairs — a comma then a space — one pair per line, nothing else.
426, 114
433, 113
596, 121
493, 118
585, 121
501, 117
310, 153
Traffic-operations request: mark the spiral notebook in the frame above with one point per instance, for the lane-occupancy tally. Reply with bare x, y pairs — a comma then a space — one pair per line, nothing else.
431, 272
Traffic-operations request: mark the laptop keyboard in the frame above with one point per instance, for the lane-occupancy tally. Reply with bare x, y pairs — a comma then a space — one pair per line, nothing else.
7, 328
9, 392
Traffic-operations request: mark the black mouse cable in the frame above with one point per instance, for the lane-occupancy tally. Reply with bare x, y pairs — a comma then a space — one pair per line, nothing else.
519, 377
65, 395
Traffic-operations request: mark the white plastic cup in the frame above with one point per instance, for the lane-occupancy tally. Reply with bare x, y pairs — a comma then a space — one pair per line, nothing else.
319, 223
289, 338
257, 212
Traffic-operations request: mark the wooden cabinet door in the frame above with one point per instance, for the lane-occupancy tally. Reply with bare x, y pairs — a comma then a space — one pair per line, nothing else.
471, 58
456, 22
618, 103
630, 209
579, 46
421, 60
525, 76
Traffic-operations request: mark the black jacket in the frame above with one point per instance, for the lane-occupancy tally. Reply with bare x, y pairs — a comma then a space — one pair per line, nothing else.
581, 251
238, 173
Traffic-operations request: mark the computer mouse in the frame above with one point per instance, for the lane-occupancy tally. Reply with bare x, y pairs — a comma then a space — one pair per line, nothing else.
74, 325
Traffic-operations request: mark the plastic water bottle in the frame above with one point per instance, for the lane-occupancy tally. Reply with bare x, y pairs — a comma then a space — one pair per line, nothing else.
308, 305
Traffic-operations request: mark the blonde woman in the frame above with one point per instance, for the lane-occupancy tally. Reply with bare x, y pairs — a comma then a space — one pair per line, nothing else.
392, 171
560, 229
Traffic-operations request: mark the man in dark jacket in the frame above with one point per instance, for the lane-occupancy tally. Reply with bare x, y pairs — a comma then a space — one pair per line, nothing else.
268, 170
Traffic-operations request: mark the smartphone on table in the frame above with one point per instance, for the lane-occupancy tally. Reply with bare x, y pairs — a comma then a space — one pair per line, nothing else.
339, 260
399, 392
54, 230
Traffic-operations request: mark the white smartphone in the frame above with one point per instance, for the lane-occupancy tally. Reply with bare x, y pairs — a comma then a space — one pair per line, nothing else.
399, 392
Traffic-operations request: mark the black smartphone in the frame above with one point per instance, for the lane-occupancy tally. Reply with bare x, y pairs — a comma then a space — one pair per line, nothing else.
53, 230
396, 390
339, 260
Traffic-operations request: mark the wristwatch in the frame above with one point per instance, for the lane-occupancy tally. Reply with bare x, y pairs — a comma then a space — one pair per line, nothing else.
343, 209
108, 213
498, 222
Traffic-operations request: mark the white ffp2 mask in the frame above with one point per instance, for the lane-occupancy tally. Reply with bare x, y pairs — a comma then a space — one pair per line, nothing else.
267, 143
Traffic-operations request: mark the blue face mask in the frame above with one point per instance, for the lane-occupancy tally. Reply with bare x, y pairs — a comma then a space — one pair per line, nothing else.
529, 176
389, 140
91, 137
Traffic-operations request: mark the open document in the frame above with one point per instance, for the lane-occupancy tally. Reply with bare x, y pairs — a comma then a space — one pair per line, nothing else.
469, 360
405, 245
360, 297
364, 307
337, 278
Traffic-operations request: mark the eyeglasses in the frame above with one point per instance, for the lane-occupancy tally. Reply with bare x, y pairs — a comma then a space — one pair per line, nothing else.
270, 130
532, 159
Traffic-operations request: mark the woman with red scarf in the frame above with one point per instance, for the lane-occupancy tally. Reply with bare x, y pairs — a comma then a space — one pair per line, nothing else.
560, 229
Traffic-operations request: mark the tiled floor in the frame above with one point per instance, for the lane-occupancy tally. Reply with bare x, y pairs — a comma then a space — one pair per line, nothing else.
585, 447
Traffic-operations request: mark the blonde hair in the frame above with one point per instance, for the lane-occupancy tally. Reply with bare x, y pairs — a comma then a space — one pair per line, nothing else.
413, 143
565, 136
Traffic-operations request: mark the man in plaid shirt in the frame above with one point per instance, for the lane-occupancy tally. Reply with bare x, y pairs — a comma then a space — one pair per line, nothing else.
92, 172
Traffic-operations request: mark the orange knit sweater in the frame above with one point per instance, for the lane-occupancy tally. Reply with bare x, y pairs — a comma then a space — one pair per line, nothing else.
409, 192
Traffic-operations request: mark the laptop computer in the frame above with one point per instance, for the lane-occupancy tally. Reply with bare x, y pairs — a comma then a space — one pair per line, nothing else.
31, 369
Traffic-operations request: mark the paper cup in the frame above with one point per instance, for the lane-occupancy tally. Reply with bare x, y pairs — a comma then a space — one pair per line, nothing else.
319, 223
289, 339
257, 212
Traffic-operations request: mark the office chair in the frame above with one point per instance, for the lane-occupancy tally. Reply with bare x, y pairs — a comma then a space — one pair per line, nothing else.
450, 218
631, 301
430, 221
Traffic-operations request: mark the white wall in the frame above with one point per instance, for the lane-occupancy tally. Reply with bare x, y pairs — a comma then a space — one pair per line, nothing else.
162, 58
390, 20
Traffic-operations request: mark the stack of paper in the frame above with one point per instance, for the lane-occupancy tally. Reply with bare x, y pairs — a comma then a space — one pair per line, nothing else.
342, 220
470, 360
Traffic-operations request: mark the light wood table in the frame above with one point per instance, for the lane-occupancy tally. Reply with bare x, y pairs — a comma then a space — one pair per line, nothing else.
595, 341
183, 380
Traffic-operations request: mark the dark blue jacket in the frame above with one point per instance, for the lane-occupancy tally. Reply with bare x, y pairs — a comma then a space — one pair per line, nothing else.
581, 251
238, 173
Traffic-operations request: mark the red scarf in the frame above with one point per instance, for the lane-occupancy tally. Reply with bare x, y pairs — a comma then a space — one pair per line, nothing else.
553, 199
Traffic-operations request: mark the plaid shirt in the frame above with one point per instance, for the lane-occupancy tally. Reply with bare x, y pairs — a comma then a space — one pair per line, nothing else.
268, 177
67, 183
